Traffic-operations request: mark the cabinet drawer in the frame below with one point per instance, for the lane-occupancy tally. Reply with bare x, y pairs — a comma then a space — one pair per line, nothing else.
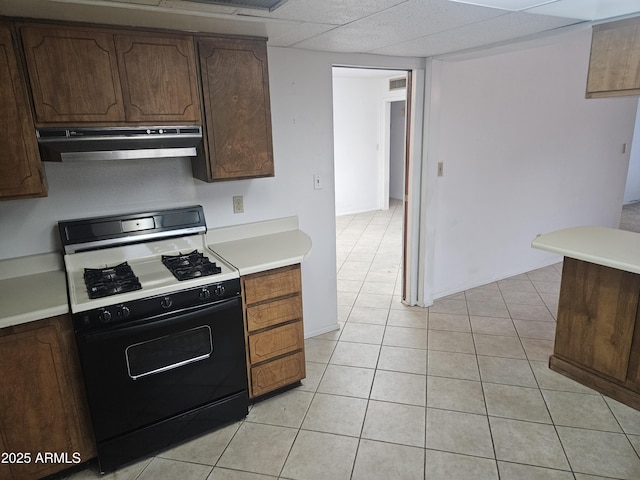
275, 342
278, 373
273, 313
277, 283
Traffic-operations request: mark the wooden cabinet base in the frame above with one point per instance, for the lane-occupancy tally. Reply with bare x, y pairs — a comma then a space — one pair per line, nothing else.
43, 410
595, 381
274, 331
598, 332
278, 373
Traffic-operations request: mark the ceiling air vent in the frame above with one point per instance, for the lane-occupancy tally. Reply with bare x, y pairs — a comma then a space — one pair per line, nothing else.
397, 83
269, 5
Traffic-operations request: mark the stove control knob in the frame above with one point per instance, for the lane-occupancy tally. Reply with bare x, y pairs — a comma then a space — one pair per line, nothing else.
104, 316
204, 293
123, 312
166, 302
219, 290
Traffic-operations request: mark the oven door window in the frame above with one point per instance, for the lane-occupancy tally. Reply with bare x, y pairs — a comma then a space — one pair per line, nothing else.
166, 353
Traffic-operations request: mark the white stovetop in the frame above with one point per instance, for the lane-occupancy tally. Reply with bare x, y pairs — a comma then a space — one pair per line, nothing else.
145, 261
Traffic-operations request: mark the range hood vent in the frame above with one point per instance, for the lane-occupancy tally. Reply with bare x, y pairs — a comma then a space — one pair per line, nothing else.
269, 5
118, 143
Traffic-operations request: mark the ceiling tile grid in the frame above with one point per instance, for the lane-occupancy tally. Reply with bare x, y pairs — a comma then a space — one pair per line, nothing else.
411, 28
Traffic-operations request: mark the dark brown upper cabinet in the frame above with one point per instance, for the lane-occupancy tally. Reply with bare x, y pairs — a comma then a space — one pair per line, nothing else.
21, 172
73, 74
235, 85
158, 78
100, 76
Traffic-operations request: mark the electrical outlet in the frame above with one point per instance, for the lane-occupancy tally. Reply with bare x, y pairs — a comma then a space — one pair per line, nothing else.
238, 204
440, 169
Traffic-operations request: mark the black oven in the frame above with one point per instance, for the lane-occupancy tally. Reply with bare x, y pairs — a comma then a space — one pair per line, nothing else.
154, 381
159, 327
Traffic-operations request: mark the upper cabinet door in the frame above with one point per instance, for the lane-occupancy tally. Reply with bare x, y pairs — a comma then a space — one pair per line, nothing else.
614, 66
21, 172
73, 74
235, 85
158, 76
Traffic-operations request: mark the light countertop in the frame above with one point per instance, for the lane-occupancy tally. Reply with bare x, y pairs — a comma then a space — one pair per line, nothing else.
34, 287
600, 245
260, 246
38, 292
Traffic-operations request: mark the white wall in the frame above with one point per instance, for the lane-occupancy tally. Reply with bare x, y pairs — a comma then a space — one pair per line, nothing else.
524, 153
301, 105
361, 117
357, 118
632, 187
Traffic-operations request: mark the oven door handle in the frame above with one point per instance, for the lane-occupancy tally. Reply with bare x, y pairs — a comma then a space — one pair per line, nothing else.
155, 322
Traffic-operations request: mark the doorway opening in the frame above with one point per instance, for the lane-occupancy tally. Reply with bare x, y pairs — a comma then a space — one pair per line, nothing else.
371, 109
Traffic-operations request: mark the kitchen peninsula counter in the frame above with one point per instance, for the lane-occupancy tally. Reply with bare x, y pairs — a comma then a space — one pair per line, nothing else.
600, 245
32, 288
256, 247
598, 331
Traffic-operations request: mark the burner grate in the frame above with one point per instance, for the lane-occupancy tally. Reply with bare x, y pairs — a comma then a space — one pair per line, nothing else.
104, 282
185, 266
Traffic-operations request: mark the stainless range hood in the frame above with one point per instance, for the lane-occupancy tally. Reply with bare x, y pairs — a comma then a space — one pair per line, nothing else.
118, 143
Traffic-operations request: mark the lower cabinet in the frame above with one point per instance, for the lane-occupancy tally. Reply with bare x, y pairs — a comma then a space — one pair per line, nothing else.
272, 302
598, 330
44, 419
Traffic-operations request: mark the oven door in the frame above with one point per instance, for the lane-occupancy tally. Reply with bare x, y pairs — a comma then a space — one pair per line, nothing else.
150, 370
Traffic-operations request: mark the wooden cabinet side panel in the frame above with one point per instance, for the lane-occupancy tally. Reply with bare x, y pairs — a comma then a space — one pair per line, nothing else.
159, 78
73, 74
273, 313
42, 402
596, 317
278, 373
21, 171
31, 400
273, 284
614, 64
237, 106
276, 342
633, 374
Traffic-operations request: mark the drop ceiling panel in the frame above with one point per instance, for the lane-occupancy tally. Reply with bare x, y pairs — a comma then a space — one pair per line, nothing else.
494, 30
195, 6
391, 27
289, 35
337, 12
589, 9
411, 19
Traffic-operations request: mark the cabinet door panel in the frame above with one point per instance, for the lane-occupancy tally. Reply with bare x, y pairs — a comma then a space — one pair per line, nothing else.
33, 419
278, 373
276, 283
275, 342
273, 313
73, 74
21, 173
237, 108
614, 65
159, 82
596, 317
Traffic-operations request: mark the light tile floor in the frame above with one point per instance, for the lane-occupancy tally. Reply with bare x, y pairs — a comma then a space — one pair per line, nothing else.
457, 391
